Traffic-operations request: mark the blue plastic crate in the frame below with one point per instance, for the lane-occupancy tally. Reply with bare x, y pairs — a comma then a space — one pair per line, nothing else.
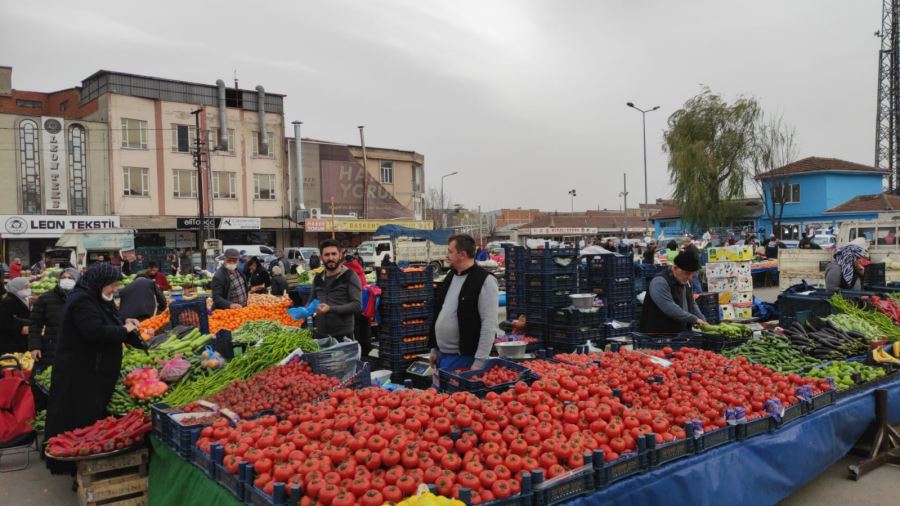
549, 298
452, 381
234, 483
395, 276
550, 263
403, 294
658, 342
648, 270
620, 310
610, 331
396, 311
566, 281
559, 489
205, 463
617, 290
162, 424
191, 313
253, 496
396, 345
404, 327
610, 265
397, 362
570, 317
574, 336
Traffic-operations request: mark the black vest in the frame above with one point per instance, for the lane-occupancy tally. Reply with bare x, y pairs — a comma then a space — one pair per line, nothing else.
468, 317
653, 320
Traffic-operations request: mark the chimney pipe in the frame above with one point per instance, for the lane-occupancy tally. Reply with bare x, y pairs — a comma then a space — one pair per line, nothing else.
223, 120
261, 110
298, 165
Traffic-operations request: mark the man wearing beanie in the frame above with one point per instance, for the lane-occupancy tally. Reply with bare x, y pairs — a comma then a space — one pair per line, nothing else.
669, 305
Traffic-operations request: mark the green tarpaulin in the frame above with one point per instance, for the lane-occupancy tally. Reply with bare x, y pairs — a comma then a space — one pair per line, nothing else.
175, 481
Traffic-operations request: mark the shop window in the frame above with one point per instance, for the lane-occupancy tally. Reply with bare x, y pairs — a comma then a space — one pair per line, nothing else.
264, 186
387, 172
136, 181
29, 167
184, 138
78, 170
185, 183
223, 185
134, 133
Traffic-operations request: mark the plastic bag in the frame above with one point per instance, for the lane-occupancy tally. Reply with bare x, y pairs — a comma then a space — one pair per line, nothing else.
299, 313
211, 359
173, 369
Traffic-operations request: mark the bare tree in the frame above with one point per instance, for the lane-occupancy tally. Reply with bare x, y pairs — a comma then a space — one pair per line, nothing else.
774, 149
435, 209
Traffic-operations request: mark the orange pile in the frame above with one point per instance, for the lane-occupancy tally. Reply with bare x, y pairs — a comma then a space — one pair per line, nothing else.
151, 326
232, 319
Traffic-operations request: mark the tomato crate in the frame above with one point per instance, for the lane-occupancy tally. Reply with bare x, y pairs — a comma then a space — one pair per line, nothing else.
190, 313
609, 265
714, 438
548, 298
403, 294
614, 290
626, 466
567, 338
820, 401
762, 425
621, 309
235, 483
537, 329
570, 317
658, 342
524, 498
404, 327
406, 310
204, 462
452, 381
565, 281
565, 487
611, 331
281, 495
159, 415
535, 313
397, 362
183, 437
551, 265
397, 345
790, 414
394, 276
662, 453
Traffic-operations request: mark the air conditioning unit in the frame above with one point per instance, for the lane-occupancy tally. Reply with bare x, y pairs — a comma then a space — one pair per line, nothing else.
301, 215
315, 213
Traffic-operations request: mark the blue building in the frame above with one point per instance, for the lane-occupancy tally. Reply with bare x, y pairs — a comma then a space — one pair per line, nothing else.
817, 193
667, 223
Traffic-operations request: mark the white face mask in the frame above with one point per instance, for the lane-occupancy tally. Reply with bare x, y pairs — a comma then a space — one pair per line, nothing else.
108, 298
231, 267
67, 284
26, 292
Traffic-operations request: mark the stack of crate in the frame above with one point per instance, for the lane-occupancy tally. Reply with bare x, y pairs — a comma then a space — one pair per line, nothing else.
119, 479
550, 277
407, 299
514, 277
611, 278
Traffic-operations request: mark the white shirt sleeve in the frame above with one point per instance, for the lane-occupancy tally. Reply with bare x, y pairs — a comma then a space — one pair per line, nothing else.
488, 308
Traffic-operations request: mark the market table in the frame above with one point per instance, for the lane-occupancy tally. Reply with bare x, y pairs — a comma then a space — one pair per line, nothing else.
762, 470
175, 481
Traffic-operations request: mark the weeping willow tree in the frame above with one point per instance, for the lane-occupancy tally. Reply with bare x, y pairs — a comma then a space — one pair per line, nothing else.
711, 148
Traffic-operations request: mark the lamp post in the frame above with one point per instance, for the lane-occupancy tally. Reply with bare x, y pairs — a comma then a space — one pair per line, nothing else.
443, 210
624, 195
644, 124
573, 195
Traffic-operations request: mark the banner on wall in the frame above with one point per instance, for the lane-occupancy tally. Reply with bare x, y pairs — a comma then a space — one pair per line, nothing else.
54, 166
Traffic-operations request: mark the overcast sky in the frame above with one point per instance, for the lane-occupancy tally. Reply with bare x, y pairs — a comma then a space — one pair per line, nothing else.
526, 99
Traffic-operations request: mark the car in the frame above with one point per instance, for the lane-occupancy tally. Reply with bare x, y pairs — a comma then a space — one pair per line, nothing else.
300, 256
825, 241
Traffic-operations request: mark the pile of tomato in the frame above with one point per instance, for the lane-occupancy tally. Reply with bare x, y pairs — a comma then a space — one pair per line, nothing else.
369, 446
282, 389
497, 375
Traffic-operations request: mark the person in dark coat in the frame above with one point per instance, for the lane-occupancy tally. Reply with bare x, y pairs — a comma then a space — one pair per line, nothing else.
88, 356
141, 299
46, 315
229, 286
14, 316
279, 282
314, 262
257, 276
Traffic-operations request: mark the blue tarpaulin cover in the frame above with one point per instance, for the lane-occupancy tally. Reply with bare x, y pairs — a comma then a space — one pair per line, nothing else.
761, 470
439, 236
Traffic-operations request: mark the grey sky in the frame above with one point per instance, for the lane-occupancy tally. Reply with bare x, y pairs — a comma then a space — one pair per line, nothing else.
526, 99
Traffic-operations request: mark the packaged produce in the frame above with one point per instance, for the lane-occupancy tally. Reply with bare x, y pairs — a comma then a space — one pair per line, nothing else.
106, 435
211, 359
25, 361
145, 383
173, 369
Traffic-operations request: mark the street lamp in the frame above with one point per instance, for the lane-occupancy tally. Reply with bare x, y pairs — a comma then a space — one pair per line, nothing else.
644, 123
624, 195
443, 211
573, 195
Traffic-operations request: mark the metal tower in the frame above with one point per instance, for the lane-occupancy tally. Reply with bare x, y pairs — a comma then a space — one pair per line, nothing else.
887, 133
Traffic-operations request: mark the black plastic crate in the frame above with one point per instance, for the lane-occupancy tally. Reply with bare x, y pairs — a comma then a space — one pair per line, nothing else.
715, 438
610, 331
282, 495
762, 425
395, 276
620, 310
662, 453
716, 343
191, 313
404, 327
397, 345
610, 265
791, 304
647, 271
549, 298
523, 498
413, 309
559, 489
571, 337
234, 483
452, 381
820, 401
616, 290
791, 413
658, 342
874, 274
403, 294
204, 462
626, 466
551, 265
570, 317
162, 424
541, 330
537, 314
567, 281
397, 362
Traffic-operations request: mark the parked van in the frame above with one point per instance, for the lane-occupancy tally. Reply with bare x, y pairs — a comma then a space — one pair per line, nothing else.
252, 250
882, 235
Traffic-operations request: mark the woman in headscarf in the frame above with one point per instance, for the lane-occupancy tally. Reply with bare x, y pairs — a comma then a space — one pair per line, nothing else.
847, 269
88, 355
14, 313
46, 315
257, 277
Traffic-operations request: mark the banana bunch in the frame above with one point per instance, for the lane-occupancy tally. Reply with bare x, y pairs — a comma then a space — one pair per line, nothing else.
881, 354
25, 360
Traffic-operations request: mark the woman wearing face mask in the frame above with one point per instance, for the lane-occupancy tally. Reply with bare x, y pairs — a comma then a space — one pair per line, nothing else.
88, 355
46, 315
14, 313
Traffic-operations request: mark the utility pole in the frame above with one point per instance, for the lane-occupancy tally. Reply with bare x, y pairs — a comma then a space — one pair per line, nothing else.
644, 128
332, 217
624, 195
197, 164
362, 141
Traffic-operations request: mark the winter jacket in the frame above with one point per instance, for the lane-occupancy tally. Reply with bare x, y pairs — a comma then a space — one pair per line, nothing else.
14, 314
344, 295
141, 299
46, 316
220, 285
279, 285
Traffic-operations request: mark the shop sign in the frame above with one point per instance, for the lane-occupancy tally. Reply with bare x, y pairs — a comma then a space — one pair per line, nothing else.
240, 224
361, 226
194, 223
55, 166
559, 231
39, 225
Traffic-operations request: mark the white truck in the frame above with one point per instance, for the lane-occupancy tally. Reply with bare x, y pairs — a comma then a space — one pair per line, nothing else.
88, 247
404, 249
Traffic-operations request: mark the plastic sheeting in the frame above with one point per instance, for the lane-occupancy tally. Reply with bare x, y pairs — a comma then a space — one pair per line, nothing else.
439, 236
761, 470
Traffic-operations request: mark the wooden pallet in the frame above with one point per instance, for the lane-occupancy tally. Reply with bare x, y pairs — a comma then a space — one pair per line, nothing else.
114, 481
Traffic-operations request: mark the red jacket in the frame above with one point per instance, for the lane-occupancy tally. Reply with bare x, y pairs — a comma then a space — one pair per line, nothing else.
15, 270
354, 266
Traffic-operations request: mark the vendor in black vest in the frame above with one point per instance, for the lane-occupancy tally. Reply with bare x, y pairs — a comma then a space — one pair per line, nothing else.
465, 311
669, 306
